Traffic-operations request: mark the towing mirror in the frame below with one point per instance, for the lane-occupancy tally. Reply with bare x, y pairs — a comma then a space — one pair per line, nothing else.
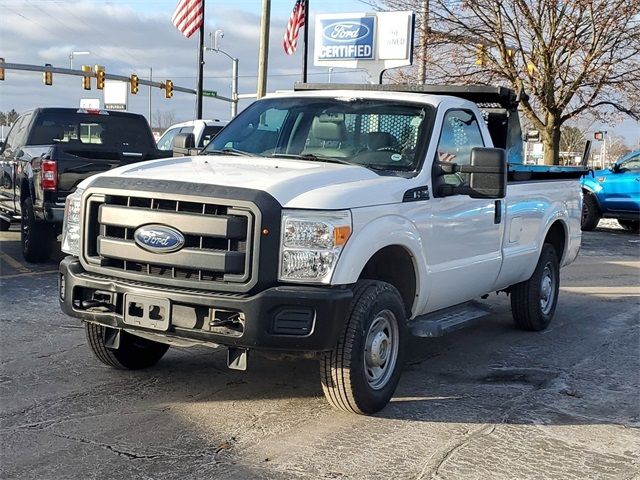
184, 145
488, 172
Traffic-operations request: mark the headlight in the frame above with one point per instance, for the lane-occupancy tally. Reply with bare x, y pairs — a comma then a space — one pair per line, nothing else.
311, 243
71, 226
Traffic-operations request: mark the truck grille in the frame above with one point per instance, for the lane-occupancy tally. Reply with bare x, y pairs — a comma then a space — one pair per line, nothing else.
218, 240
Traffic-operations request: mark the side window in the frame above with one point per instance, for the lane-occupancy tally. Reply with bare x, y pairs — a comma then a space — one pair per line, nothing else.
460, 133
632, 164
16, 134
166, 141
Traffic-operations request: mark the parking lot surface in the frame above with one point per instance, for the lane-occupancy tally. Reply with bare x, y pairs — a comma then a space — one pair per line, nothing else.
487, 402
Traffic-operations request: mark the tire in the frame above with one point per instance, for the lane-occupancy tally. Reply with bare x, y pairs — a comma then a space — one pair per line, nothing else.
534, 301
631, 225
37, 238
361, 373
134, 353
590, 213
4, 225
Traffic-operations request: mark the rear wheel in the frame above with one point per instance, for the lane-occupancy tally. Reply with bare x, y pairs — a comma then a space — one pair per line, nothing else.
4, 225
360, 375
134, 353
631, 225
533, 302
37, 238
590, 213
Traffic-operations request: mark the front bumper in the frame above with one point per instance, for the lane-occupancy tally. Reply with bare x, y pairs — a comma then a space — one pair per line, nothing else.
271, 318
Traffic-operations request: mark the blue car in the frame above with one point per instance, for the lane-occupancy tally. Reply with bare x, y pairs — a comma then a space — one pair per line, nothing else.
613, 193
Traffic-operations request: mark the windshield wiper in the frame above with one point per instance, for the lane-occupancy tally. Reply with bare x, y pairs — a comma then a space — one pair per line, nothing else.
312, 157
228, 151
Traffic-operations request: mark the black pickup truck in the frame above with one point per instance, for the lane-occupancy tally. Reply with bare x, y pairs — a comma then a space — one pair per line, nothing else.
48, 152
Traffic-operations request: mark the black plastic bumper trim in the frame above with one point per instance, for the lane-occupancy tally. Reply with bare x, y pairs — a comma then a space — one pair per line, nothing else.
329, 304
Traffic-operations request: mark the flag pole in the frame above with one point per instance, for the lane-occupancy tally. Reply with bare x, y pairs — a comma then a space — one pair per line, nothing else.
200, 68
305, 40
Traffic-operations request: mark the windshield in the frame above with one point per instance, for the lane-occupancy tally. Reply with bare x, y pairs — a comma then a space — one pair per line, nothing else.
377, 134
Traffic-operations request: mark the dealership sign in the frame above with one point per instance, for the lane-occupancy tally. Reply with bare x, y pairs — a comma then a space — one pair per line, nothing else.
347, 39
375, 41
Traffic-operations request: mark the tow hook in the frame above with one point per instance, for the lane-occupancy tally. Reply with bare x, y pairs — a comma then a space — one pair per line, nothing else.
237, 358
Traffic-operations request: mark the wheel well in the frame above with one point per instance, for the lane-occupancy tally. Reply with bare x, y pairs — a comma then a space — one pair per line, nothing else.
393, 265
556, 236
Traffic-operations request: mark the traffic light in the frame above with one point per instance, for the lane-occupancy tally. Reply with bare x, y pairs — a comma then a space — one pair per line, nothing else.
47, 77
133, 84
100, 76
168, 89
86, 80
481, 55
599, 136
1, 69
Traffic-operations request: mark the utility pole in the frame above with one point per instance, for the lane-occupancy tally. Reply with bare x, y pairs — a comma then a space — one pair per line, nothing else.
151, 80
263, 59
422, 67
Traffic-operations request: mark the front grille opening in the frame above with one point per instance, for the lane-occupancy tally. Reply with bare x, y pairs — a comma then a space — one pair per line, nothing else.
115, 232
215, 209
136, 267
191, 207
215, 243
170, 205
139, 202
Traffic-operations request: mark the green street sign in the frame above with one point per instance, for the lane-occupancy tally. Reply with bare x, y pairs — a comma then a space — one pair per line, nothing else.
209, 93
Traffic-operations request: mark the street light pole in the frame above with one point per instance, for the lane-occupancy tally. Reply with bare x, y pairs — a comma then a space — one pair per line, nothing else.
150, 79
74, 53
214, 40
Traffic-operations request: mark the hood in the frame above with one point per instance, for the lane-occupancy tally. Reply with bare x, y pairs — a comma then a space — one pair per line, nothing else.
294, 183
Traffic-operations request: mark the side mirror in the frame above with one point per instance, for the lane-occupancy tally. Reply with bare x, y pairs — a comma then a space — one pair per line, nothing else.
183, 144
488, 172
615, 168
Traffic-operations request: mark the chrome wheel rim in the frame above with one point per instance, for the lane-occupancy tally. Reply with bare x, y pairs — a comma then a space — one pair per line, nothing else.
25, 231
381, 349
547, 289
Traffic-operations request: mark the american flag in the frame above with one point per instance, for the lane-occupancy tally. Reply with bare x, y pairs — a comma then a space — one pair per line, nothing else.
188, 16
296, 22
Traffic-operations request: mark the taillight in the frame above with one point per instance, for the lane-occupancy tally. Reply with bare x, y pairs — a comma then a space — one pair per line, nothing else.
49, 169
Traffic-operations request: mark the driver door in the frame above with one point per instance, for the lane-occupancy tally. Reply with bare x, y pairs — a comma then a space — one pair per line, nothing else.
464, 237
621, 189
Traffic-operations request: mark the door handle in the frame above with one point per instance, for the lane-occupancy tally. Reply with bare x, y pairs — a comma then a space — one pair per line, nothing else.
497, 216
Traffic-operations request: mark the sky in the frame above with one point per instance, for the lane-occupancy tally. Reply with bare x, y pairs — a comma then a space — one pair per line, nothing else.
132, 36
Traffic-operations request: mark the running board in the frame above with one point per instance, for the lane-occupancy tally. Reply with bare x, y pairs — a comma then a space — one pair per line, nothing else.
441, 322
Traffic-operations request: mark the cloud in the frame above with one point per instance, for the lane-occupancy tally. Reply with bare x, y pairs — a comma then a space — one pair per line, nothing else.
127, 41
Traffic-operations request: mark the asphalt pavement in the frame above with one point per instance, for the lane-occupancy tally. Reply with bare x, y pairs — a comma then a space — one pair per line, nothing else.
489, 402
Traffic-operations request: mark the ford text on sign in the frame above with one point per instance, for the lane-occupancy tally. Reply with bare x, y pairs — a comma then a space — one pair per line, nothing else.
347, 39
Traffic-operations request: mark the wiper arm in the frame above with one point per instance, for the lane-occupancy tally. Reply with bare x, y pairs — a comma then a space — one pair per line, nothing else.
312, 157
228, 151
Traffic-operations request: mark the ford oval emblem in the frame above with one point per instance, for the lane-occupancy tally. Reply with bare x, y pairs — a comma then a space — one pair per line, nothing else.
345, 31
158, 238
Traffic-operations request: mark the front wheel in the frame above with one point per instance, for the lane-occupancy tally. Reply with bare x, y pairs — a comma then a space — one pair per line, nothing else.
133, 353
361, 373
590, 213
631, 225
533, 302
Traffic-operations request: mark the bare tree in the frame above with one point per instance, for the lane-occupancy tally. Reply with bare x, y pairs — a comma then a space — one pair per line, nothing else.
569, 57
163, 119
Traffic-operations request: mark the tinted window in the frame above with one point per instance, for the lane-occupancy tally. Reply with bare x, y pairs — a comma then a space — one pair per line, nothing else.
10, 143
82, 128
209, 132
166, 141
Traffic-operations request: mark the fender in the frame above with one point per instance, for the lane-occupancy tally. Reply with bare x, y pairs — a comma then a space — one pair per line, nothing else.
385, 231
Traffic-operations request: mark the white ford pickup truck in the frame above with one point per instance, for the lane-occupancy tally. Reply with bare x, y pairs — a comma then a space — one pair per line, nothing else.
326, 223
